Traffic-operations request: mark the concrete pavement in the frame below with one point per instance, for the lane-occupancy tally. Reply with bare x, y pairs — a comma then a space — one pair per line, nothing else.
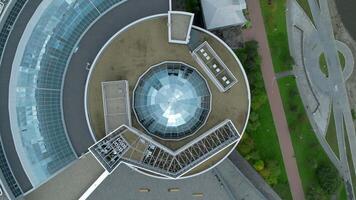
307, 42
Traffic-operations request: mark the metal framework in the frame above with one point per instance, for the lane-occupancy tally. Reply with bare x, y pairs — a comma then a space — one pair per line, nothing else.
207, 99
130, 146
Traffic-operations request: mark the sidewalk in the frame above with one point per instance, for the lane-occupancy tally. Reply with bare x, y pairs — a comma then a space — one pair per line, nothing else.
258, 33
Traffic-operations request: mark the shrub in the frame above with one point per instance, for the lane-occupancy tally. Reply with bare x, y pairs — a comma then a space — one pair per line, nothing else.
315, 193
259, 165
253, 156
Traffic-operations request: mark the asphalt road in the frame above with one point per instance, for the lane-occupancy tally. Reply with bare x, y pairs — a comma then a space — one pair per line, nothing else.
5, 71
89, 46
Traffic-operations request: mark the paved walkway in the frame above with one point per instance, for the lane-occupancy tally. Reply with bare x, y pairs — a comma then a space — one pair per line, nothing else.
258, 33
318, 37
284, 74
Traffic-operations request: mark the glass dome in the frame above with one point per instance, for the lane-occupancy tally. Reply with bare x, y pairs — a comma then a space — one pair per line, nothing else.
172, 100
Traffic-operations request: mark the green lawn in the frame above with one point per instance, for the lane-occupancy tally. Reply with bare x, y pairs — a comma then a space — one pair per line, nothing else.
304, 4
342, 60
349, 158
342, 192
331, 136
265, 139
322, 64
275, 22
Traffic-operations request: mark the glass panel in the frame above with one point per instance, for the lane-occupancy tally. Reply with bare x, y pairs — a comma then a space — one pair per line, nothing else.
41, 139
172, 100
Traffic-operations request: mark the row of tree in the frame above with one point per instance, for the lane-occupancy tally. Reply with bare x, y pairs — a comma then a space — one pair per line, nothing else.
250, 59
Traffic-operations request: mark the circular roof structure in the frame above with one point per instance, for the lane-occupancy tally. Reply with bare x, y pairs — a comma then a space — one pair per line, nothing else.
172, 100
195, 121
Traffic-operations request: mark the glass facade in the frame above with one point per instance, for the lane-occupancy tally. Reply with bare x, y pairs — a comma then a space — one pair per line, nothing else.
7, 173
41, 138
4, 34
172, 100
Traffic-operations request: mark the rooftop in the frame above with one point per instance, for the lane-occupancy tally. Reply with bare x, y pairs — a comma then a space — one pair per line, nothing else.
145, 42
225, 182
223, 13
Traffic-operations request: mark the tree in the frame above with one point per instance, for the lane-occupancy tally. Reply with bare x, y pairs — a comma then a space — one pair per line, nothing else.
315, 193
254, 116
246, 145
192, 6
328, 178
275, 170
249, 55
265, 173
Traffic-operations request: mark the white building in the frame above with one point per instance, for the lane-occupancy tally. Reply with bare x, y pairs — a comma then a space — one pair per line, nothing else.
223, 13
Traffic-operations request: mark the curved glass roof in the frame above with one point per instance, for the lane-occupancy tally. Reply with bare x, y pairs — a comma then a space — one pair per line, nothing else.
172, 100
37, 75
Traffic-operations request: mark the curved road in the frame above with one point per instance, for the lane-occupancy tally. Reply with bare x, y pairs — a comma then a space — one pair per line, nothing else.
89, 46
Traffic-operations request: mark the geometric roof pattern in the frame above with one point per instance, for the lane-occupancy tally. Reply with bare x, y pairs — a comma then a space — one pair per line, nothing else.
129, 145
172, 100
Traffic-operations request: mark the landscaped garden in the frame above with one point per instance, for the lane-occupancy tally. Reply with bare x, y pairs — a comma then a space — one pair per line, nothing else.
314, 166
259, 145
310, 156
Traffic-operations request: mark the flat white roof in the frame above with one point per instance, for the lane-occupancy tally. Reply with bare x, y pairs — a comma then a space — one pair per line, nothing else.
223, 13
